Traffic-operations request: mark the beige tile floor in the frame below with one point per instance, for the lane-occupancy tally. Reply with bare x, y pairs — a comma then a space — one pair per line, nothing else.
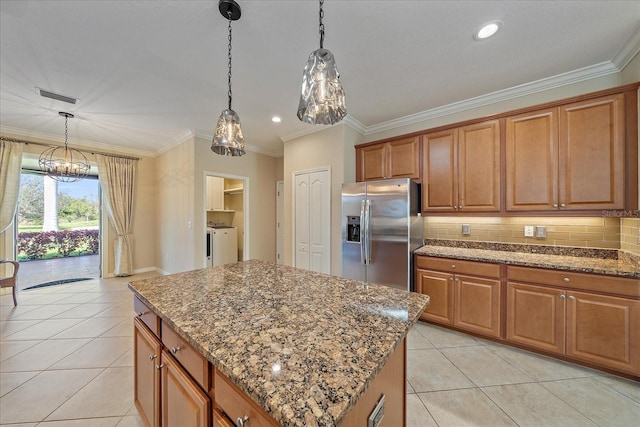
66, 360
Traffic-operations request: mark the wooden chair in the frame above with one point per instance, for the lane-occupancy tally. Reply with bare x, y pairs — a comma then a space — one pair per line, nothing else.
10, 281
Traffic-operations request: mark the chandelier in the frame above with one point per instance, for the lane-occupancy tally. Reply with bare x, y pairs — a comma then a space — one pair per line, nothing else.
63, 163
322, 100
228, 139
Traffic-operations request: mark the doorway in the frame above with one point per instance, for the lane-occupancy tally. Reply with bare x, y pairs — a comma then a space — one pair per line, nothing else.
280, 222
57, 229
226, 207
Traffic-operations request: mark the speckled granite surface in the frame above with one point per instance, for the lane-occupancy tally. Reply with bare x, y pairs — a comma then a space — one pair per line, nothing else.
612, 262
303, 345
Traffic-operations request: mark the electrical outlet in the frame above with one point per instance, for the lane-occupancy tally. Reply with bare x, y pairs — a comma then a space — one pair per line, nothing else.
466, 229
528, 231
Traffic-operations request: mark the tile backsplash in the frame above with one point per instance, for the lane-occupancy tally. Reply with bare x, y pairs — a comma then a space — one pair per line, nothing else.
587, 232
630, 234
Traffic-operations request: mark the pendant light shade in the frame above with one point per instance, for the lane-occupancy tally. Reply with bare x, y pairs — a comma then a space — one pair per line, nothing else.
64, 164
228, 139
322, 99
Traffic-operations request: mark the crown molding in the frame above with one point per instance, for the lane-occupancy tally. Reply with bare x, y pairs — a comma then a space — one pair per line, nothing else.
582, 74
247, 147
85, 144
183, 137
628, 51
348, 121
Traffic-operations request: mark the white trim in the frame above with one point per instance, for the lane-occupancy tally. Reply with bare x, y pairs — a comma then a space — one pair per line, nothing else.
347, 121
280, 230
628, 51
81, 143
245, 206
586, 73
247, 147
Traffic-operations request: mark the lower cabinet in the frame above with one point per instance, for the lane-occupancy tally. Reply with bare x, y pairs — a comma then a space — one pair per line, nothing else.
147, 350
551, 311
459, 295
165, 394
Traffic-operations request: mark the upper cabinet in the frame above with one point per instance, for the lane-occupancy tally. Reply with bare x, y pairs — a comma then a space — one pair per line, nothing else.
461, 169
215, 193
394, 159
570, 157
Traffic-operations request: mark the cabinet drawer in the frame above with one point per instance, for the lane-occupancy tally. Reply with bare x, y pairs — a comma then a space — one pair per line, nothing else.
570, 280
221, 420
147, 316
192, 361
235, 404
458, 266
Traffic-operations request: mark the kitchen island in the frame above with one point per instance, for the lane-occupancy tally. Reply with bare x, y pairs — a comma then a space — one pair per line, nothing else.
305, 348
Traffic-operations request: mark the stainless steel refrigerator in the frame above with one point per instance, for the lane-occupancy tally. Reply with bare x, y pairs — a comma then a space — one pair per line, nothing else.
381, 228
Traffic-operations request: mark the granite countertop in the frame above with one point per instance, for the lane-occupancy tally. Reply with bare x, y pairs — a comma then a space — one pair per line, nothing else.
598, 261
303, 345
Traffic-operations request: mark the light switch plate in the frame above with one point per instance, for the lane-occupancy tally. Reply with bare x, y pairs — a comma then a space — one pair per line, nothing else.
541, 232
466, 229
528, 231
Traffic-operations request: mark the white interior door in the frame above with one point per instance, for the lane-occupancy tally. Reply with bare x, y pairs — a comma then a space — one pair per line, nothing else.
312, 220
279, 222
301, 230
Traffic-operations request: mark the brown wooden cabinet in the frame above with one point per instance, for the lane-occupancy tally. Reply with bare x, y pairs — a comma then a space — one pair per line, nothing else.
146, 394
461, 169
183, 403
459, 294
169, 383
570, 157
393, 159
555, 312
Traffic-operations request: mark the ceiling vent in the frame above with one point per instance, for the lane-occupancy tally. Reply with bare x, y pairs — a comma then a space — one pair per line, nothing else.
56, 96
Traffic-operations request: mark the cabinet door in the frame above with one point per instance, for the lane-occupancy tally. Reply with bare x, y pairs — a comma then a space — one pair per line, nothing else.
536, 316
532, 161
604, 330
183, 402
215, 193
439, 287
479, 167
372, 162
591, 155
439, 164
404, 158
146, 393
477, 304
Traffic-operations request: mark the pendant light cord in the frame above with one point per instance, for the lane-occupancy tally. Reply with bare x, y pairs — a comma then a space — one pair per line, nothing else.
321, 15
229, 56
66, 131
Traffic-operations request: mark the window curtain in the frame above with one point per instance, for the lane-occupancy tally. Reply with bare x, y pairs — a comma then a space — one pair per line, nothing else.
117, 179
10, 169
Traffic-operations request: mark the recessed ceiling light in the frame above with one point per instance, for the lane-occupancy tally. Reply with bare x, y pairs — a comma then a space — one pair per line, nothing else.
487, 30
276, 119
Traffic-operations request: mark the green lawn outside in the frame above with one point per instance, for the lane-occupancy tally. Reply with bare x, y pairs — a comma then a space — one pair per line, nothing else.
61, 226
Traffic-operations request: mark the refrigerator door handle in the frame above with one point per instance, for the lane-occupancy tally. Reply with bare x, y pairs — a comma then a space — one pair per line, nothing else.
363, 235
368, 232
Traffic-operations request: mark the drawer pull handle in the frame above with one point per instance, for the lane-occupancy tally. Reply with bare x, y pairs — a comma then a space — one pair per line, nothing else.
152, 356
572, 297
562, 296
566, 279
240, 422
174, 350
160, 366
453, 266
555, 205
562, 205
141, 313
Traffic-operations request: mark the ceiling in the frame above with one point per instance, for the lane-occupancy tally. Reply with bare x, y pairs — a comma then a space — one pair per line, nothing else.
150, 74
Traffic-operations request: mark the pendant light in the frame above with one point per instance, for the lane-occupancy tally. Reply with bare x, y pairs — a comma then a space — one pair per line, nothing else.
322, 99
228, 139
63, 163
